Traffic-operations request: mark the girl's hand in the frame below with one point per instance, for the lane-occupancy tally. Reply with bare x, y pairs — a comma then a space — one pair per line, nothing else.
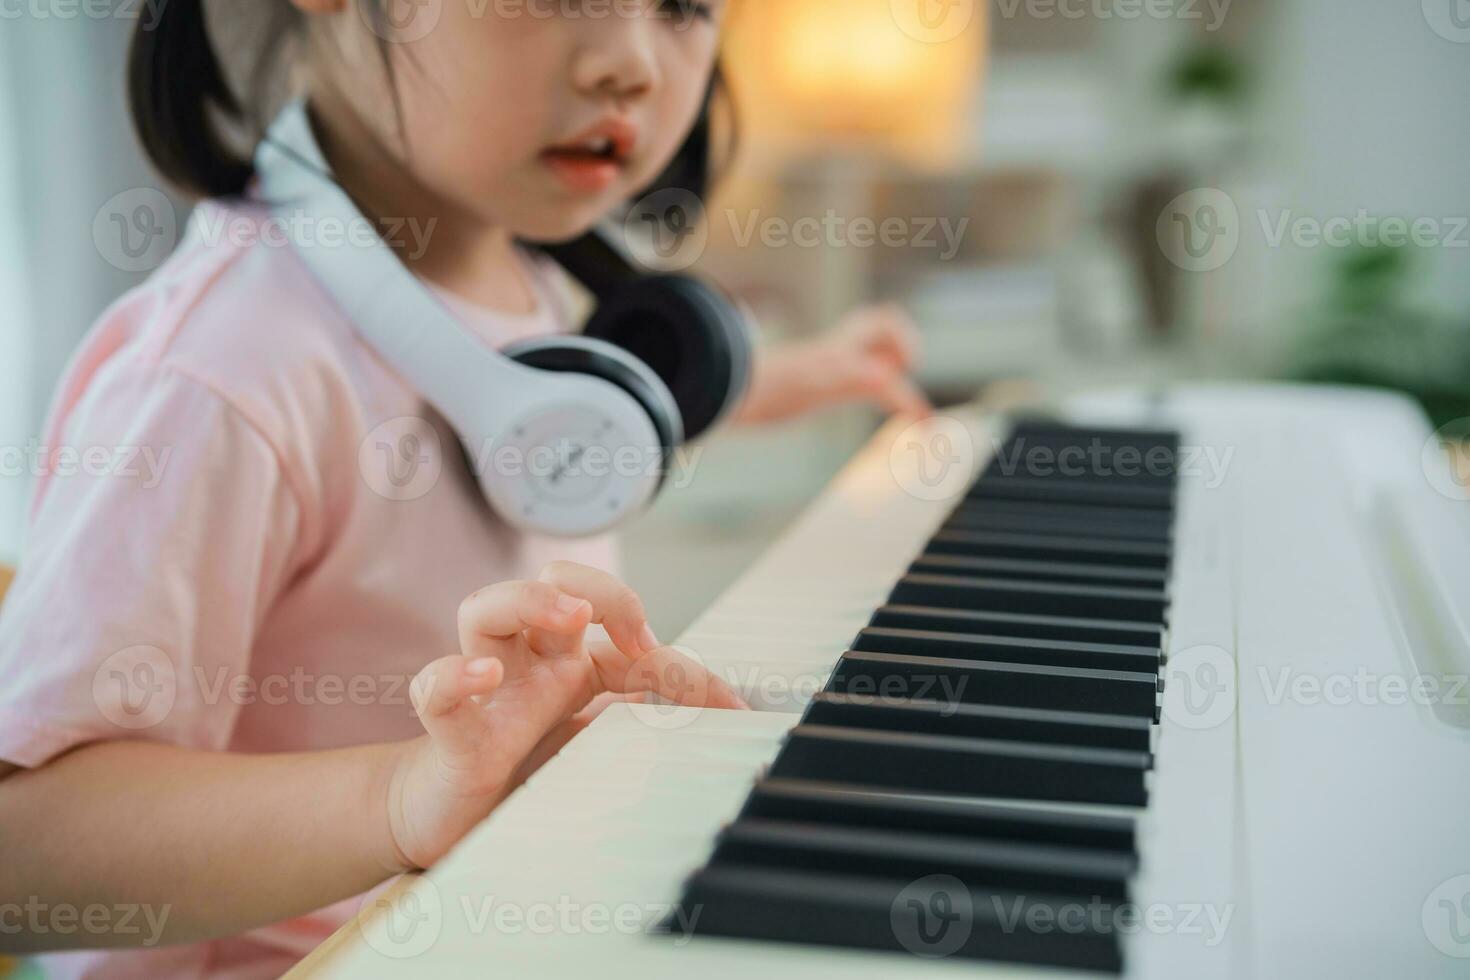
514, 696
868, 357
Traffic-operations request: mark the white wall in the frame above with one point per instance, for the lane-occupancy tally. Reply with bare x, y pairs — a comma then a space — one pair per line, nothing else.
66, 147
15, 354
1367, 109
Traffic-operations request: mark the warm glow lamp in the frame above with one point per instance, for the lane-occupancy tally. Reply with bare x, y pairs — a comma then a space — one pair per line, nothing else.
896, 73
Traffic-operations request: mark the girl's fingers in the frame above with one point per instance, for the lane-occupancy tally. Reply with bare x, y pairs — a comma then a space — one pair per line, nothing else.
548, 643
901, 336
614, 605
506, 608
443, 694
900, 396
665, 672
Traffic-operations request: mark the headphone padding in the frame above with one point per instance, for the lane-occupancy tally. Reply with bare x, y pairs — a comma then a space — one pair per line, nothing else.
689, 334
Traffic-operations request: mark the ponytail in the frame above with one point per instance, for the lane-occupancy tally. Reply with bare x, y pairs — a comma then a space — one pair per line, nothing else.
178, 95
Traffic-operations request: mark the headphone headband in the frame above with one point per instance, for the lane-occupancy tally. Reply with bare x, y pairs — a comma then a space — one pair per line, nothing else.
489, 399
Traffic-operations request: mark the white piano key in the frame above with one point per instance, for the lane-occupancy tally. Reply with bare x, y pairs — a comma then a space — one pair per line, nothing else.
1322, 832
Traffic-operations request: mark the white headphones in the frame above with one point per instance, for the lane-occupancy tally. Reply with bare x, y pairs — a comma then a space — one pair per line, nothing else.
576, 431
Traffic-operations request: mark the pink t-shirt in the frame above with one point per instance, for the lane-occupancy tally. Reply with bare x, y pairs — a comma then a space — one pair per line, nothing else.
249, 535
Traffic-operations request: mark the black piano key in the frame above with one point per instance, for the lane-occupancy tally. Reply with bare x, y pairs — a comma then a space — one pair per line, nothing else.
969, 646
982, 518
1031, 547
908, 854
997, 623
845, 805
923, 918
1154, 523
1017, 660
965, 766
1040, 571
987, 721
1098, 465
1036, 489
1046, 598
1044, 465
895, 677
1068, 433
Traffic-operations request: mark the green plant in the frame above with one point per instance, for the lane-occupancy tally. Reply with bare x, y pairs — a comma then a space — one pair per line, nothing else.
1208, 72
1366, 332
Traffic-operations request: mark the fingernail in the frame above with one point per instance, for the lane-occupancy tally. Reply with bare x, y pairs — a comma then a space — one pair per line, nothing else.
479, 667
649, 641
570, 604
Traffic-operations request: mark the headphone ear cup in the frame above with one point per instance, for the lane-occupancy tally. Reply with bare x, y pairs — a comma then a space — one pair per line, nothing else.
599, 359
689, 334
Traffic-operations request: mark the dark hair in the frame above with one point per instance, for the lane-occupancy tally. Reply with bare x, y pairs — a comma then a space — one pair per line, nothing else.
184, 108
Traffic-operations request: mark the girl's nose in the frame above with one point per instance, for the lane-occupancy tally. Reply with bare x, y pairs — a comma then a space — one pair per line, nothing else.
618, 59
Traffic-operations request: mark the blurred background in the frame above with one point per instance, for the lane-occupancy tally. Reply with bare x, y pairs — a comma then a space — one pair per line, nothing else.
1064, 193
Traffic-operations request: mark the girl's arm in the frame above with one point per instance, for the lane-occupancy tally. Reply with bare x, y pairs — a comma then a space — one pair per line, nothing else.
209, 844
201, 844
869, 356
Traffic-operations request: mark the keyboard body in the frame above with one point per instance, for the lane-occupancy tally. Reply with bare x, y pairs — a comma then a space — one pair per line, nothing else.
1308, 789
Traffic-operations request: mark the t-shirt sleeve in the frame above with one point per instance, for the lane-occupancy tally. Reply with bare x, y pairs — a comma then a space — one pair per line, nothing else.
163, 530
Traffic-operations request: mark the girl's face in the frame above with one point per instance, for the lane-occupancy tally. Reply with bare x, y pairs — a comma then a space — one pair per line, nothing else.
538, 116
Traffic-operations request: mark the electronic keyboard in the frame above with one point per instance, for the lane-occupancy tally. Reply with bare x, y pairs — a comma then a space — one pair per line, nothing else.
1164, 684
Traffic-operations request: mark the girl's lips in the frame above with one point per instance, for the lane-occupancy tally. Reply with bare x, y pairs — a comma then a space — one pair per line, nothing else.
592, 160
581, 171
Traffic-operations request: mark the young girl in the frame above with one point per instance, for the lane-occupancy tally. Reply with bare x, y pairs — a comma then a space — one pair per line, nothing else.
207, 734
